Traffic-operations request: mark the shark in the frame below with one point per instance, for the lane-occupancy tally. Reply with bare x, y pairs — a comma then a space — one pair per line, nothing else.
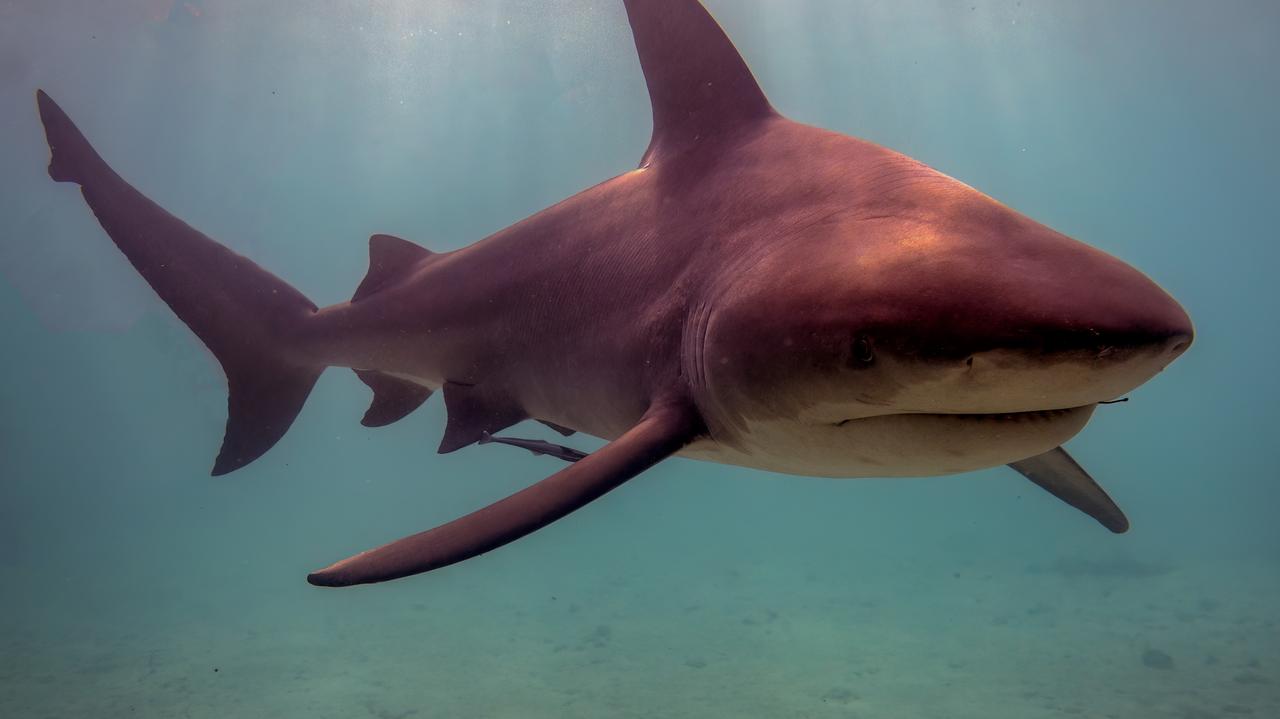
756, 292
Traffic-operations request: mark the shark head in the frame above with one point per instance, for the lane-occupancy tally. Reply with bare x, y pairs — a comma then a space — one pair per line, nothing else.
921, 324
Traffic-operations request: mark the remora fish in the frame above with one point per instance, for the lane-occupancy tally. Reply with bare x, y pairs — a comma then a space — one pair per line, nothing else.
758, 292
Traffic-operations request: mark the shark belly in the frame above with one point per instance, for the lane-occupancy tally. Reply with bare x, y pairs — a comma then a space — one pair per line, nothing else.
894, 445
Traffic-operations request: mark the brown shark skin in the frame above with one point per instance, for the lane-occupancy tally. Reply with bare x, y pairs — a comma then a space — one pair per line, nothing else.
752, 271
638, 259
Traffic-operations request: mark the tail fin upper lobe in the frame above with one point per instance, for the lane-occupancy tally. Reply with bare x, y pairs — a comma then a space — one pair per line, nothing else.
250, 319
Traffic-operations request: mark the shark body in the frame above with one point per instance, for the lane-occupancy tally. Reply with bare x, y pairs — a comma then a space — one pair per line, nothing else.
757, 292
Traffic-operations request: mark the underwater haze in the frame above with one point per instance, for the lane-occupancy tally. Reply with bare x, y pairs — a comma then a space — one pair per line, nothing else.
137, 585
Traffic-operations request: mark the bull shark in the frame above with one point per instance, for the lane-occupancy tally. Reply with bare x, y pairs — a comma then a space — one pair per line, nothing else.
757, 292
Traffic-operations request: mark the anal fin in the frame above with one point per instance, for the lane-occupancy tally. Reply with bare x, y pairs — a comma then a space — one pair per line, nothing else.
393, 398
1060, 475
474, 411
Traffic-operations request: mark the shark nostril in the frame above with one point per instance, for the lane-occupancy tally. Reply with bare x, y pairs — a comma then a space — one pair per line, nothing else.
863, 352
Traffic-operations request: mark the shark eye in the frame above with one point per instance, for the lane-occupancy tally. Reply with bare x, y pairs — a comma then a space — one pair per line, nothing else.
863, 352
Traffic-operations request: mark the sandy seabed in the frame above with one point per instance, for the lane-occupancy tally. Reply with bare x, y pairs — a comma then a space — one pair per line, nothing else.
760, 638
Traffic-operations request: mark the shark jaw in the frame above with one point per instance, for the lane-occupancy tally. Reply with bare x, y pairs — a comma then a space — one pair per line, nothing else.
906, 444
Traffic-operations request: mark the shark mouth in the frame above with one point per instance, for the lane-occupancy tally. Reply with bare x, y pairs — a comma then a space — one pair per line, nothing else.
1002, 417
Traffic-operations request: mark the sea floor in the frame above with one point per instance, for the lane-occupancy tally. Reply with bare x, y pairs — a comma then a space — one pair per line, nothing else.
758, 637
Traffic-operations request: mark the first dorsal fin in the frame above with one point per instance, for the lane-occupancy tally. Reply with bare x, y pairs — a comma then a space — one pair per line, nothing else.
390, 259
699, 85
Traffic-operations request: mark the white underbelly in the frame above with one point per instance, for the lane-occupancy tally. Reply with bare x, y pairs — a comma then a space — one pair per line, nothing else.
898, 445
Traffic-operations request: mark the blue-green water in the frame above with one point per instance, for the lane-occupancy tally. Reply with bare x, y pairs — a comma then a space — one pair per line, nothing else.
136, 585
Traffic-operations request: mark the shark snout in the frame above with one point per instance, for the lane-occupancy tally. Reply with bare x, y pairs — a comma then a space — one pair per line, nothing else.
1179, 332
1122, 337
1142, 318
1177, 343
1163, 343
1041, 345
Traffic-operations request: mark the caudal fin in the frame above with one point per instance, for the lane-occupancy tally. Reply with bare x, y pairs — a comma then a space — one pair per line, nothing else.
250, 319
73, 158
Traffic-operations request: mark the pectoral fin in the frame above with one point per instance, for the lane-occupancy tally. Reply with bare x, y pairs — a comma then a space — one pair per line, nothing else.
1058, 474
659, 434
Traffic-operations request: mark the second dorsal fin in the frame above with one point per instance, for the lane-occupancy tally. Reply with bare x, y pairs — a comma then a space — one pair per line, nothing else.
390, 259
699, 85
